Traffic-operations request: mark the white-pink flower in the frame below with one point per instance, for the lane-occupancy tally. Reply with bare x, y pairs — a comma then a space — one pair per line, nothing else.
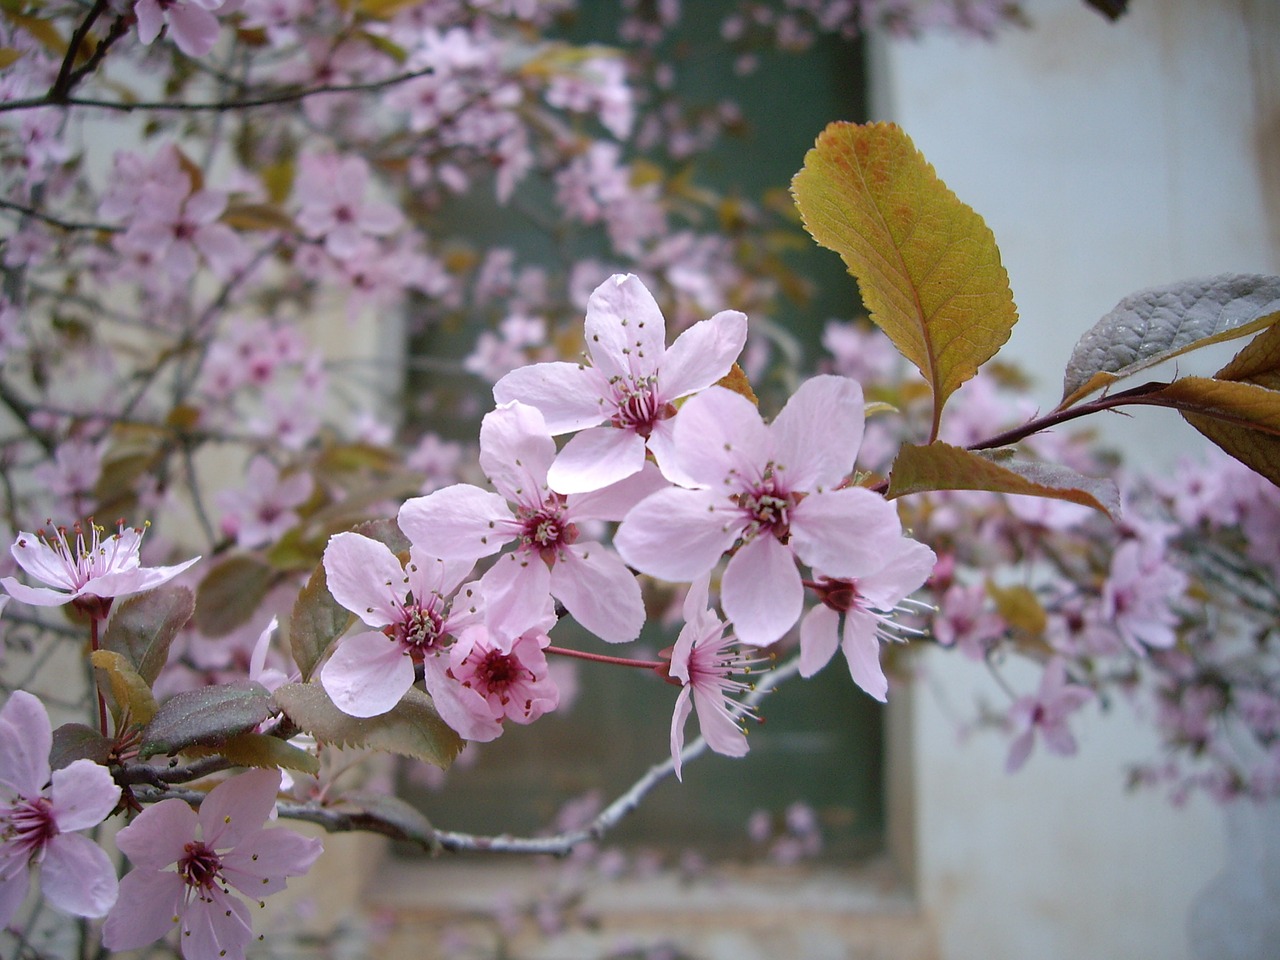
702, 661
631, 385
263, 510
1138, 594
332, 191
773, 495
88, 568
497, 684
189, 868
865, 604
1045, 713
413, 612
550, 558
40, 812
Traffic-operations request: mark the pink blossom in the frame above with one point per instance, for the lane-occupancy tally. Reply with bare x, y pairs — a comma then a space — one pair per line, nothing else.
598, 85
1137, 596
40, 812
464, 522
86, 569
498, 684
332, 192
412, 610
632, 384
1045, 713
702, 661
223, 850
193, 28
263, 510
179, 231
771, 494
865, 604
966, 620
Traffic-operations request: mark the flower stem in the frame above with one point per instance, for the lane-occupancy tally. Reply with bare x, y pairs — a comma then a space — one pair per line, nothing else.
601, 658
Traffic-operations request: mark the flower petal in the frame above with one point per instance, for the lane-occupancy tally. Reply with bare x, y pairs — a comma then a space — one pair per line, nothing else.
626, 333
367, 675
26, 738
460, 522
77, 876
845, 533
35, 596
677, 534
517, 592
569, 395
817, 434
464, 710
761, 591
516, 451
259, 864
702, 355
157, 835
148, 906
216, 927
601, 593
819, 639
596, 458
82, 795
718, 726
719, 435
616, 500
862, 649
238, 807
365, 577
684, 706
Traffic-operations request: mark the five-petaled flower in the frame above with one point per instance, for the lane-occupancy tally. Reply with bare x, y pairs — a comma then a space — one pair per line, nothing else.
87, 569
771, 494
188, 868
40, 810
1045, 713
632, 385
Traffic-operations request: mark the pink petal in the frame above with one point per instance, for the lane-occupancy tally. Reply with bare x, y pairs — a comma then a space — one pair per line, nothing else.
367, 675
150, 20
862, 650
138, 580
193, 29
1019, 750
761, 591
148, 907
569, 395
819, 639
702, 355
259, 864
26, 738
430, 575
845, 533
626, 333
238, 807
219, 927
13, 890
35, 596
365, 577
41, 561
817, 434
684, 706
907, 566
516, 451
77, 876
516, 592
717, 725
601, 593
719, 434
464, 710
596, 458
82, 795
157, 835
461, 522
677, 534
616, 500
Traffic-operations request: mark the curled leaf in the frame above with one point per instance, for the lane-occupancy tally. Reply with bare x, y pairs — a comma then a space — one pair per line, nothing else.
1241, 418
132, 694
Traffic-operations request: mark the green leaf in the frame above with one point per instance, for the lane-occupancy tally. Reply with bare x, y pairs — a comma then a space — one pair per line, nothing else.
258, 216
412, 728
230, 593
940, 466
143, 626
1241, 418
129, 691
262, 750
926, 263
1155, 325
316, 622
76, 741
208, 716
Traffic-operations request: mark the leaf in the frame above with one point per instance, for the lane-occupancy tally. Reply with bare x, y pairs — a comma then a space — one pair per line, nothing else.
412, 728
316, 622
1258, 362
262, 750
1019, 607
230, 593
9, 56
736, 380
1241, 418
76, 741
208, 716
42, 30
258, 216
926, 263
940, 466
1155, 325
143, 626
132, 694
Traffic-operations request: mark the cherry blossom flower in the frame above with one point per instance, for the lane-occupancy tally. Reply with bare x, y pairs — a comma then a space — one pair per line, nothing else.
464, 522
179, 230
40, 812
192, 27
702, 661
85, 569
632, 384
1045, 713
332, 191
411, 610
1137, 594
773, 493
498, 684
865, 604
262, 511
222, 850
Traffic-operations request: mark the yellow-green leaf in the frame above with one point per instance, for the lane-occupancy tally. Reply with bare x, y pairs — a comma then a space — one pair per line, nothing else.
1241, 418
940, 466
926, 263
129, 691
1258, 362
257, 216
261, 750
1019, 607
9, 56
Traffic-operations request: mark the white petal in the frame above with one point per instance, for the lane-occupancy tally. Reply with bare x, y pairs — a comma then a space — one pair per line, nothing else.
702, 355
761, 591
601, 593
819, 639
677, 534
596, 458
569, 395
817, 434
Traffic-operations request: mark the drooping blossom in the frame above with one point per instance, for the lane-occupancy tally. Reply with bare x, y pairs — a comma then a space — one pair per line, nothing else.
191, 868
771, 494
1045, 714
502, 684
413, 612
631, 384
464, 522
703, 660
865, 603
85, 568
40, 812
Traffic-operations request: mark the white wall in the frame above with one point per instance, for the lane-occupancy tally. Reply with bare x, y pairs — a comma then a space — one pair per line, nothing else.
1106, 158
